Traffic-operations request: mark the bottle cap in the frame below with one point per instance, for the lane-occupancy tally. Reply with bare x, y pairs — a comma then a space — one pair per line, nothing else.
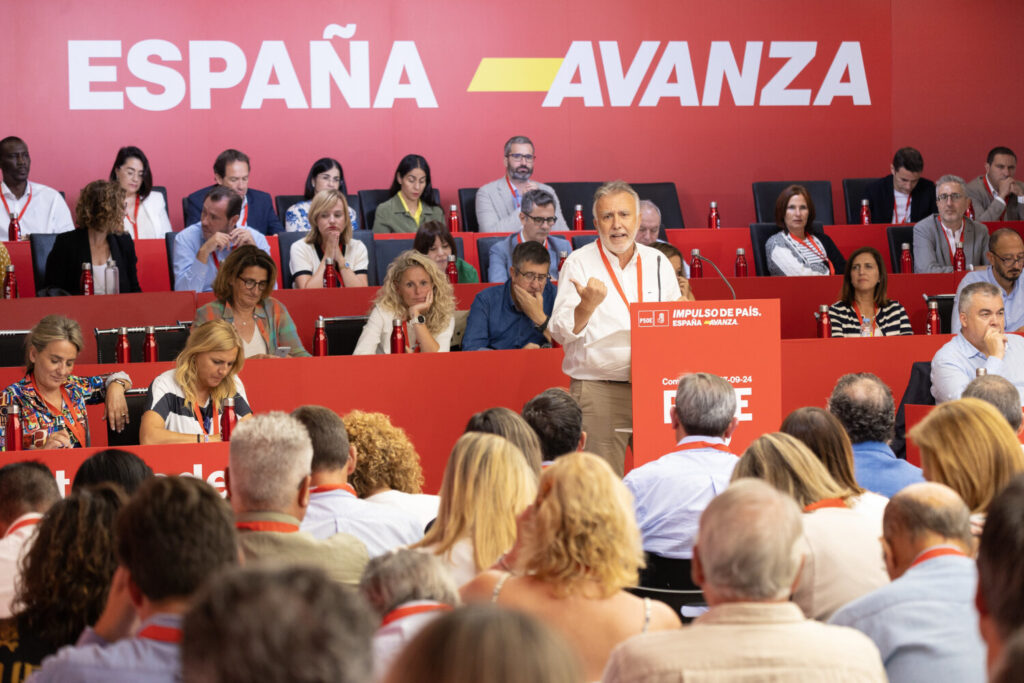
933, 305
740, 251
695, 252
452, 207
905, 246
864, 202
397, 322
561, 254
579, 207
980, 372
714, 205
319, 324
959, 245
122, 330
10, 268
229, 402
150, 329
329, 261
823, 308
12, 408
451, 258
110, 263
86, 266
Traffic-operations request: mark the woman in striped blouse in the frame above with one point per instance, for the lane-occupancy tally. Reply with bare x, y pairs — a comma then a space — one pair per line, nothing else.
864, 309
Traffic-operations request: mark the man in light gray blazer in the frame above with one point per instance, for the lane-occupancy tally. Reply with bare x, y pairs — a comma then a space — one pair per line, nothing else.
935, 237
498, 202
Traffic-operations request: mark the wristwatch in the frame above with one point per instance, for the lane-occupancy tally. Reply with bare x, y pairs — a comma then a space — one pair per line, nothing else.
543, 326
419, 320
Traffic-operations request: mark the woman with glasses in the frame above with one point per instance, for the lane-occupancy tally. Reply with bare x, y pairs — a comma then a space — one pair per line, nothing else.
145, 212
325, 174
435, 242
242, 288
412, 199
538, 214
864, 309
329, 237
936, 237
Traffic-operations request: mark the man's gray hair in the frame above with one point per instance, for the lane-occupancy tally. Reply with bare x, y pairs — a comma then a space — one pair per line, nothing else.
950, 178
747, 542
705, 404
928, 507
863, 403
404, 575
1001, 393
968, 292
535, 198
616, 187
648, 204
269, 456
518, 140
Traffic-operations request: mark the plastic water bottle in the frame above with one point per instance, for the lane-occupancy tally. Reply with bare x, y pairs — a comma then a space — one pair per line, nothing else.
112, 278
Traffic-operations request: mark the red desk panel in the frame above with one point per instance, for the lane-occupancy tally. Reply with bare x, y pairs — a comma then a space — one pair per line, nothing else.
21, 259
718, 245
152, 265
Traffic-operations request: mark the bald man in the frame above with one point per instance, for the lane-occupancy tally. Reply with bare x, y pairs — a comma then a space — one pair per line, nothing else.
924, 622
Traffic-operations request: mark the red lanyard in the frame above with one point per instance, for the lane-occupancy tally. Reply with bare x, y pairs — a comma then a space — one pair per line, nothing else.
860, 318
402, 612
245, 215
615, 280
405, 333
825, 503
519, 239
694, 445
936, 552
163, 634
23, 523
515, 193
333, 487
23, 209
281, 527
809, 243
135, 220
199, 417
895, 216
77, 427
992, 195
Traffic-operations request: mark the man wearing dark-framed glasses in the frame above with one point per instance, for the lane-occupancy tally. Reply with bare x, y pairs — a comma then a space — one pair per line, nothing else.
936, 237
1006, 254
499, 202
537, 217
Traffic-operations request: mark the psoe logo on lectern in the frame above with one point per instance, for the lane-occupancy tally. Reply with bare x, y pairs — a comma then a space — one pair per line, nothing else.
652, 319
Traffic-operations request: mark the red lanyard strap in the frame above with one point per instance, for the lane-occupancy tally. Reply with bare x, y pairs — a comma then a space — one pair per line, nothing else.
199, 417
75, 424
825, 503
809, 243
402, 612
936, 552
615, 279
20, 525
694, 445
895, 216
281, 527
17, 219
163, 634
134, 220
860, 318
333, 487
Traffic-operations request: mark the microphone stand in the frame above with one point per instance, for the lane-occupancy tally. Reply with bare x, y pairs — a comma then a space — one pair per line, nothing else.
727, 283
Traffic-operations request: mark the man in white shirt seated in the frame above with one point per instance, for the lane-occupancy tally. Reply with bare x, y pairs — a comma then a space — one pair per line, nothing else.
498, 202
334, 506
936, 237
670, 493
37, 208
27, 490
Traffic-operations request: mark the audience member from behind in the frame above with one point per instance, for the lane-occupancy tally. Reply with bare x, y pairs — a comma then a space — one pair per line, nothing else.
39, 209
411, 202
100, 241
537, 216
996, 194
487, 483
27, 490
649, 232
982, 343
1000, 393
1006, 254
842, 553
277, 625
514, 315
242, 287
903, 196
1000, 599
679, 266
824, 434
435, 242
334, 506
388, 469
407, 589
558, 421
936, 237
231, 171
114, 466
924, 622
329, 237
64, 581
499, 202
1010, 666
799, 248
578, 547
747, 561
670, 493
968, 446
864, 405
419, 296
483, 643
324, 174
864, 308
268, 481
183, 403
145, 210
512, 426
172, 536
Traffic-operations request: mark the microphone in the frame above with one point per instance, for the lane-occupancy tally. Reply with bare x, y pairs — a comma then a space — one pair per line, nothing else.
727, 283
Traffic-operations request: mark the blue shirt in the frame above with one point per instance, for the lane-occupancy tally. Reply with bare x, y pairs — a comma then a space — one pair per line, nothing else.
380, 527
1013, 303
877, 469
189, 272
495, 322
956, 363
924, 623
501, 256
670, 493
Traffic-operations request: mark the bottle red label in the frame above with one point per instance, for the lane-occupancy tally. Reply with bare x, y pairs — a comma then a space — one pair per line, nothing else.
452, 271
10, 285
330, 277
959, 261
228, 419
14, 229
453, 220
319, 340
87, 287
696, 268
741, 265
865, 214
577, 219
714, 220
124, 350
934, 326
906, 262
824, 325
397, 338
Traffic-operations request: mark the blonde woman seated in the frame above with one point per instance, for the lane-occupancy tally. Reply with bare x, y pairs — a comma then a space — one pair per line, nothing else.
329, 237
578, 547
487, 483
184, 404
968, 446
841, 548
418, 295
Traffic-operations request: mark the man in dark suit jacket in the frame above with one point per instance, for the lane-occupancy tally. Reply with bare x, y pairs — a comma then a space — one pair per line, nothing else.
231, 169
907, 165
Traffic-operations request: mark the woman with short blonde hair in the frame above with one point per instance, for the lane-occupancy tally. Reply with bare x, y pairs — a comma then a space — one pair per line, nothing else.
329, 237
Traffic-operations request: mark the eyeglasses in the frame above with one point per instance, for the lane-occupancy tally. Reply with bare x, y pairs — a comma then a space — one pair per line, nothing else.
1010, 260
253, 284
542, 220
521, 157
955, 197
532, 277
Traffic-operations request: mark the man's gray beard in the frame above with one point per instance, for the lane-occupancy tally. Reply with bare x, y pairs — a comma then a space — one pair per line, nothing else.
521, 177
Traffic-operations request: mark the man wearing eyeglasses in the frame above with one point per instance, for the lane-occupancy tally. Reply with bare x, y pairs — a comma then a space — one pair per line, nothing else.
1006, 254
499, 203
996, 194
936, 237
514, 315
537, 216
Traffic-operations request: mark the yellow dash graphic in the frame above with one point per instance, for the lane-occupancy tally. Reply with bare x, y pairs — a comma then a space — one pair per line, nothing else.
518, 74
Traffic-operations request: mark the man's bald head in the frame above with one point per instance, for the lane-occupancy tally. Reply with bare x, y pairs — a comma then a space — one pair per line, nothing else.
863, 403
922, 516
